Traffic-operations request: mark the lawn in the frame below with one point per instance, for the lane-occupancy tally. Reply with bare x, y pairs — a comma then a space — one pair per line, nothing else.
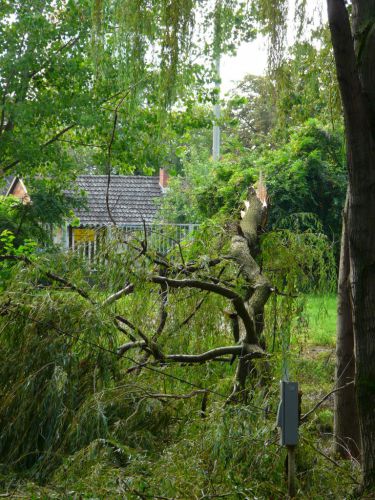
321, 312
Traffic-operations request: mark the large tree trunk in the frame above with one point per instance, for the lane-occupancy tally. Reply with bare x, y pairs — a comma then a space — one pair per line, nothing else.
245, 247
356, 80
346, 424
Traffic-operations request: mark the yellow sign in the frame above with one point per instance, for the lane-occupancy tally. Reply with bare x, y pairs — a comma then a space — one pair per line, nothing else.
83, 235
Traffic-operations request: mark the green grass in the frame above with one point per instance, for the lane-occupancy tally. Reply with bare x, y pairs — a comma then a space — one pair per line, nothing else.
321, 312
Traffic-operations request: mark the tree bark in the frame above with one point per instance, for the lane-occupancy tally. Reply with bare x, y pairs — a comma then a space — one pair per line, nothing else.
355, 80
244, 250
346, 423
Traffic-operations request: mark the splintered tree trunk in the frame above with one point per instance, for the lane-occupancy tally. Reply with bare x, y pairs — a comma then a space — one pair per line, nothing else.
346, 424
356, 78
245, 247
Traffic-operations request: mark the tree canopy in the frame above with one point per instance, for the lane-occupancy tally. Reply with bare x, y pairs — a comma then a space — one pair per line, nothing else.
141, 364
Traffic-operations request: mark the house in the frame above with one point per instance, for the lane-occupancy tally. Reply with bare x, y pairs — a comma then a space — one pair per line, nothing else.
132, 201
129, 202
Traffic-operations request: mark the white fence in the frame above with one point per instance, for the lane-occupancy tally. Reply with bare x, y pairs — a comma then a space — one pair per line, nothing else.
162, 238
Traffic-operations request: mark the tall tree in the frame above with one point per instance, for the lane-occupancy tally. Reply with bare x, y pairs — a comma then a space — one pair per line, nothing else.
354, 50
45, 82
346, 424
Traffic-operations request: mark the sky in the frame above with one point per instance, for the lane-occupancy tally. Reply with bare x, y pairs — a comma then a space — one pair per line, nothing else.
251, 57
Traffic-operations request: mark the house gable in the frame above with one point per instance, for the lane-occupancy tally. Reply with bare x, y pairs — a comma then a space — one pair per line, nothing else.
18, 189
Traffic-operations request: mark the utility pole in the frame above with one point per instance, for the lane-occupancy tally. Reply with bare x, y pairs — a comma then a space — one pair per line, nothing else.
216, 127
216, 56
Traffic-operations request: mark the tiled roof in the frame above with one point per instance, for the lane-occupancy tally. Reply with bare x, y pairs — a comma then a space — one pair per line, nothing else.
132, 198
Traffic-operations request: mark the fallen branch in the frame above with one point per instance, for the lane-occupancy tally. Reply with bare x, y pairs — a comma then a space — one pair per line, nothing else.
236, 299
196, 283
116, 296
192, 267
324, 455
214, 353
153, 347
163, 293
130, 345
253, 351
192, 314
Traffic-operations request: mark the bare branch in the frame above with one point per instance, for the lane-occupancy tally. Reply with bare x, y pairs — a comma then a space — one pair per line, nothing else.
122, 330
177, 396
194, 311
236, 350
151, 344
116, 296
327, 457
130, 345
236, 299
256, 352
163, 294
192, 267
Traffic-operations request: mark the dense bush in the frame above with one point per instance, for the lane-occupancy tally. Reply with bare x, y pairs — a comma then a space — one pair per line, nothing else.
305, 178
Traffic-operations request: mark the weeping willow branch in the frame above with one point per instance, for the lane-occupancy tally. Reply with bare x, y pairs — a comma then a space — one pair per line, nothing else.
50, 275
177, 396
116, 296
194, 311
236, 299
130, 345
253, 352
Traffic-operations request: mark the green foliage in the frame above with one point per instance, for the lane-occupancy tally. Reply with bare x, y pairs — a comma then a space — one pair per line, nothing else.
35, 219
7, 242
15, 236
305, 179
9, 208
208, 190
265, 111
308, 176
161, 54
74, 416
42, 48
178, 31
296, 263
46, 380
304, 86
